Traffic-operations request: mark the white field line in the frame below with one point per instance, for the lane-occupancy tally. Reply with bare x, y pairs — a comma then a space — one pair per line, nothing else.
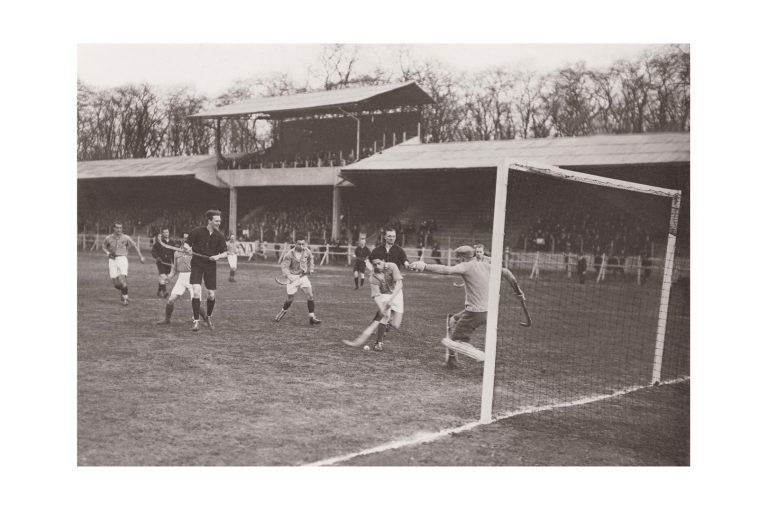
428, 437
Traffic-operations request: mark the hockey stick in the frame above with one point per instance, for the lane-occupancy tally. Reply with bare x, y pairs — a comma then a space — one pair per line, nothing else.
519, 293
284, 280
181, 249
527, 322
367, 332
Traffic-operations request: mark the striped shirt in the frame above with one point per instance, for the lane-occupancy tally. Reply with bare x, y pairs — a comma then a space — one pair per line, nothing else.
118, 244
385, 281
296, 264
182, 262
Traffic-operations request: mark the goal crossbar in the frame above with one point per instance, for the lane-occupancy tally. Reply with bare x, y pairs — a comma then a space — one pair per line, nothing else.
500, 208
564, 174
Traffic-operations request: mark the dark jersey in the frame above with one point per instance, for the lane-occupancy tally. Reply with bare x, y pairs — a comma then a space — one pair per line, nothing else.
362, 253
164, 254
395, 255
209, 244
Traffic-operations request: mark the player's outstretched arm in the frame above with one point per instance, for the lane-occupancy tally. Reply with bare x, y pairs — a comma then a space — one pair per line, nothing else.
435, 268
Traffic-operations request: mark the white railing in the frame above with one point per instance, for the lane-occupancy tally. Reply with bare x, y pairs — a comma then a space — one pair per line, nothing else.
524, 263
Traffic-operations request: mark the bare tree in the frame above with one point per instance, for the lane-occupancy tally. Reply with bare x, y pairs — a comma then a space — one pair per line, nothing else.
670, 72
441, 119
183, 136
570, 101
527, 104
337, 63
488, 106
650, 93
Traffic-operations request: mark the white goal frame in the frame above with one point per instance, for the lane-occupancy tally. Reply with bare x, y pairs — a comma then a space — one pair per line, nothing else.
499, 217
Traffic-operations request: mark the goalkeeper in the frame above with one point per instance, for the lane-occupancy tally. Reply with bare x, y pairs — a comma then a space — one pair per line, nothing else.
476, 275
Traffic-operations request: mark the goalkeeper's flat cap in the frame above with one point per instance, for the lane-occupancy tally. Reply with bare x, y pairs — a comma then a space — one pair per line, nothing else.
464, 251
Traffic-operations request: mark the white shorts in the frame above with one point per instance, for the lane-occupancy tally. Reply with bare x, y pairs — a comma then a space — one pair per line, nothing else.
302, 282
397, 304
182, 283
232, 259
118, 266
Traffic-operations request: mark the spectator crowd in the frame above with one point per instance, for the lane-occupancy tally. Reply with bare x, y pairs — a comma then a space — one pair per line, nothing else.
581, 230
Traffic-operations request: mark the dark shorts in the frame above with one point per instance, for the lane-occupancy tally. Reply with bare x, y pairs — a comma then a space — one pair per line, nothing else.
163, 268
466, 323
203, 272
359, 266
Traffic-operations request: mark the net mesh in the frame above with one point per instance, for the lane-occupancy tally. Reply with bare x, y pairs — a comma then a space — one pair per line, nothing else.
590, 260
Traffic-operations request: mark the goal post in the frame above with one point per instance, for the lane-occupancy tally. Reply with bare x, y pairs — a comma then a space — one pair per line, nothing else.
494, 292
598, 337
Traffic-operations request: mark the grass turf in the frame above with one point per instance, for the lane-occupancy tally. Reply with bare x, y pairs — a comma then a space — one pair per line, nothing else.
256, 392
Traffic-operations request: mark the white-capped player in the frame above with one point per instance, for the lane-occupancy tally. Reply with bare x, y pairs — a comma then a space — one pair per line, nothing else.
115, 246
297, 265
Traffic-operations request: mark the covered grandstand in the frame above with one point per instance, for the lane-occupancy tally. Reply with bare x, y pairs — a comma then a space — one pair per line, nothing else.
372, 174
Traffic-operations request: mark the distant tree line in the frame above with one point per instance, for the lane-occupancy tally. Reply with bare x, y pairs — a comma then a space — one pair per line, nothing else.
648, 94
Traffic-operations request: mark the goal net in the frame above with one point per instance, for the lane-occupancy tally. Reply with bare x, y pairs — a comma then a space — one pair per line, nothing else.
605, 286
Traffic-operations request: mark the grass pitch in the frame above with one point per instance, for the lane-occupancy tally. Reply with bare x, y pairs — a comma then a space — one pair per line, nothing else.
254, 392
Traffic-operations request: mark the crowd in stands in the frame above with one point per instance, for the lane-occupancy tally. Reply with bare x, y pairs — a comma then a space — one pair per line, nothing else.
281, 225
580, 230
138, 220
571, 230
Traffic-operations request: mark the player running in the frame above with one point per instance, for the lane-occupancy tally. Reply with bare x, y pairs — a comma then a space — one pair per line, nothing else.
181, 266
297, 265
361, 254
476, 275
164, 260
115, 246
387, 293
208, 241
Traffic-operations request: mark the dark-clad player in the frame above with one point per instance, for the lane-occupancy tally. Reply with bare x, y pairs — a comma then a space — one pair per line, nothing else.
163, 259
389, 251
361, 254
208, 241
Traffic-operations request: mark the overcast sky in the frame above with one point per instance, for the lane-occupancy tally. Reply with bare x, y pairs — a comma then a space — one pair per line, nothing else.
211, 68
